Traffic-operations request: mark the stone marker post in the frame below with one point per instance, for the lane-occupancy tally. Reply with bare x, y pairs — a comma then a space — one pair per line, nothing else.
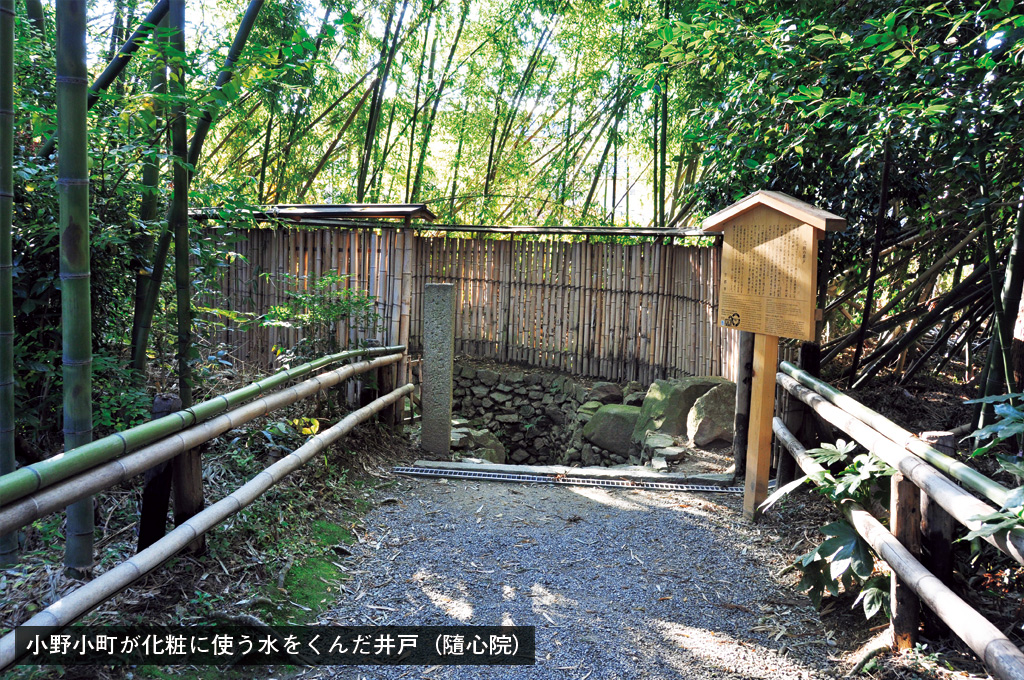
438, 362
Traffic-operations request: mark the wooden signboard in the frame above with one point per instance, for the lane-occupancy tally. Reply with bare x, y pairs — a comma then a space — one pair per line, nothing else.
769, 283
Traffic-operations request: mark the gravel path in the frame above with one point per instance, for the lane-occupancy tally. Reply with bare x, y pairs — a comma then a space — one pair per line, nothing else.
620, 584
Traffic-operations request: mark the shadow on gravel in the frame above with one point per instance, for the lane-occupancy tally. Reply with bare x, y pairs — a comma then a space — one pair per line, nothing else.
619, 583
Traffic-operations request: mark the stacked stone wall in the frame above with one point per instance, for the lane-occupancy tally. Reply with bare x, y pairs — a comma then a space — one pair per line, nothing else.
532, 412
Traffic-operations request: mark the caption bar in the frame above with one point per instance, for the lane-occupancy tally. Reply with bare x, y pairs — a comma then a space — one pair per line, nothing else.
302, 645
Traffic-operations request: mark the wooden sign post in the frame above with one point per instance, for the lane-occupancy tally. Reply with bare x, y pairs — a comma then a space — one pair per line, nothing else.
769, 284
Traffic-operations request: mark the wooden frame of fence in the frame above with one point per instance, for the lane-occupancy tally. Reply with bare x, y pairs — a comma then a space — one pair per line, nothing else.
563, 301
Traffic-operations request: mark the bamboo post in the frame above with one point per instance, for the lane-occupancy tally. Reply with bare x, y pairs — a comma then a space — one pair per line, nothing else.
744, 384
762, 408
8, 542
905, 524
937, 532
404, 373
76, 312
156, 491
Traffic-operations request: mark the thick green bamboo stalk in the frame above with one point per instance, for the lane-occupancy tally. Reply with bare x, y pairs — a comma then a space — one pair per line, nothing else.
186, 468
971, 478
76, 311
8, 542
39, 475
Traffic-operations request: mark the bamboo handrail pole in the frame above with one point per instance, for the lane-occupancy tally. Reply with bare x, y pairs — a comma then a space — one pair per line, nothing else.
971, 478
69, 608
30, 478
964, 507
53, 498
988, 642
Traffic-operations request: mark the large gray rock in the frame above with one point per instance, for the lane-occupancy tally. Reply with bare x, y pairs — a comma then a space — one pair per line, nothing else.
667, 404
611, 426
606, 393
711, 416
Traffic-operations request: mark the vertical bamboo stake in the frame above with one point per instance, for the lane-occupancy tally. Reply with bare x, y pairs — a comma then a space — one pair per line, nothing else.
404, 374
762, 408
905, 517
8, 542
591, 297
396, 264
575, 321
76, 312
937, 532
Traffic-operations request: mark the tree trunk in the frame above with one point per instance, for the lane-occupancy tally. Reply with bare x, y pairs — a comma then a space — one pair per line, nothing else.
116, 30
186, 467
163, 244
149, 205
416, 112
8, 542
76, 312
377, 99
36, 17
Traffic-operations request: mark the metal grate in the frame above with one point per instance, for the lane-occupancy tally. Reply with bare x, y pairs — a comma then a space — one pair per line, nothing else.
573, 481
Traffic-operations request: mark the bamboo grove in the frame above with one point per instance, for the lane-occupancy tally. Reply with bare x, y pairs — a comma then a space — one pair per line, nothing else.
117, 117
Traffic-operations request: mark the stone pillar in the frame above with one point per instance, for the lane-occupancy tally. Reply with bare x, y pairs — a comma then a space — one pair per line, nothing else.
438, 362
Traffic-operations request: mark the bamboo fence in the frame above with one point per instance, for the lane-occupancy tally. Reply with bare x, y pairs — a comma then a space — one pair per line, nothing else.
561, 302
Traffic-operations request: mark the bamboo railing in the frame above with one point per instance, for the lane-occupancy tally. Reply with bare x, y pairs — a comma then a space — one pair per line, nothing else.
918, 490
559, 301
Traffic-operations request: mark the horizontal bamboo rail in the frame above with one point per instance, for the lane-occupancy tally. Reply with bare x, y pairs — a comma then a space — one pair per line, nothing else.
1000, 654
960, 504
31, 478
53, 498
995, 492
69, 608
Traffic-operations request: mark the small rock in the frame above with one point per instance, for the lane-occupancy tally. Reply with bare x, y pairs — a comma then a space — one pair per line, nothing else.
659, 464
671, 453
606, 393
634, 399
520, 455
489, 378
658, 441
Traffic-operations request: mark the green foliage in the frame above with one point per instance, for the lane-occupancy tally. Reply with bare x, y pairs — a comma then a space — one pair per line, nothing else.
317, 306
802, 97
844, 558
1007, 428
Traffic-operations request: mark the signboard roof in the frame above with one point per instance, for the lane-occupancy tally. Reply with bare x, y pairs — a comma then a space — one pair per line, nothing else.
784, 203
